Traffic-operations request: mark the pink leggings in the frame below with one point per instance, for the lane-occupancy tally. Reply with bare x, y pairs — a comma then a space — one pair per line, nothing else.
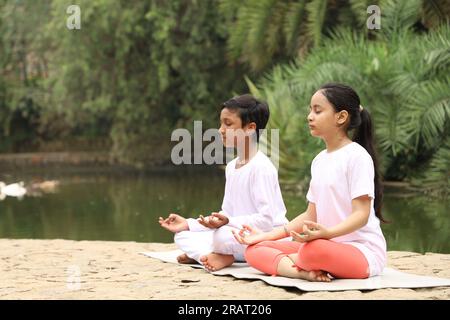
338, 259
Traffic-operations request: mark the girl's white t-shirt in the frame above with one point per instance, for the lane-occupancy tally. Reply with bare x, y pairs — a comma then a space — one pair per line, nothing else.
338, 177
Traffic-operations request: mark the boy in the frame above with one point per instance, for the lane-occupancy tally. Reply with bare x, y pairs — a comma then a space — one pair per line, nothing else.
252, 193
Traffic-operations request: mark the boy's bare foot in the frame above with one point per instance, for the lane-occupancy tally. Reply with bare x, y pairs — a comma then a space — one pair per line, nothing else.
216, 261
184, 259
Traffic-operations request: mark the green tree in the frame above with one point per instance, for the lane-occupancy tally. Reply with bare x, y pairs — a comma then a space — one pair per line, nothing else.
23, 65
403, 80
265, 32
136, 70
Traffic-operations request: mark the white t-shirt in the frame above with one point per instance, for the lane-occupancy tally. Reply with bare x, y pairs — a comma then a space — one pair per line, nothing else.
252, 195
338, 177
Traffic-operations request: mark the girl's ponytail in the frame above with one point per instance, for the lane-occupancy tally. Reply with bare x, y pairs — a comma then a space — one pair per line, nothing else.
343, 97
363, 135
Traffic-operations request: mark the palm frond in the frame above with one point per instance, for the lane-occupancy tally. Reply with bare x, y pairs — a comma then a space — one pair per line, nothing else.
259, 17
274, 39
237, 39
436, 48
398, 16
317, 10
229, 8
402, 80
436, 179
293, 23
430, 108
435, 12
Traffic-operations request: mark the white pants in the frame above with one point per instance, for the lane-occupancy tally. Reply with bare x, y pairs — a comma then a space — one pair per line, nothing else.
199, 243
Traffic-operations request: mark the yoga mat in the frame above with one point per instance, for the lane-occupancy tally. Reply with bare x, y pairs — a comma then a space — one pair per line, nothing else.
390, 278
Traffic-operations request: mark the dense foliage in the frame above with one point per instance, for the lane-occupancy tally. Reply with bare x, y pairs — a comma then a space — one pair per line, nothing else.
138, 69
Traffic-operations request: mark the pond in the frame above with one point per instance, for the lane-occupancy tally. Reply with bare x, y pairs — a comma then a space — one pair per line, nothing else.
105, 204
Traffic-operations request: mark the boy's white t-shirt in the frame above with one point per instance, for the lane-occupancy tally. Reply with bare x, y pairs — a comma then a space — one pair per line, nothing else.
338, 177
252, 196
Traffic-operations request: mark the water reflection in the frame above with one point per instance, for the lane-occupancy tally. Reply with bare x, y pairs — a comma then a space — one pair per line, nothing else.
118, 206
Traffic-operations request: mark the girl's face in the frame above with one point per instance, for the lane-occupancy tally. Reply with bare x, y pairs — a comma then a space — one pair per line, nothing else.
231, 130
323, 120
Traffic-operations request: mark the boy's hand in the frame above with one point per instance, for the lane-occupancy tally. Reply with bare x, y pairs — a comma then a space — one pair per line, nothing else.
174, 223
214, 221
311, 231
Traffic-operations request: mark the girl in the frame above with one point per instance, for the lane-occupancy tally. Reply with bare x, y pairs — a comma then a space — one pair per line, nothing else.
339, 234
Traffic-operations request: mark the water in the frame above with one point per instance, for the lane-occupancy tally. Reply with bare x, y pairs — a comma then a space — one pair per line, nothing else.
99, 204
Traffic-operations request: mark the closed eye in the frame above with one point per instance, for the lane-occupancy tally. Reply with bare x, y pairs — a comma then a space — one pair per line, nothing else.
316, 109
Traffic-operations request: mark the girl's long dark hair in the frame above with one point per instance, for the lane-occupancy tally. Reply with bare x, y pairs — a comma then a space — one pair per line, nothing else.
343, 97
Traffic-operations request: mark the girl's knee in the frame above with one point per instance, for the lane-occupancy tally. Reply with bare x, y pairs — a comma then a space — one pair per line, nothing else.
316, 245
249, 253
253, 252
313, 253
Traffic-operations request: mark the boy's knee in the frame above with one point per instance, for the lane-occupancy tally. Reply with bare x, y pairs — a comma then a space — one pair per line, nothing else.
222, 234
180, 236
222, 238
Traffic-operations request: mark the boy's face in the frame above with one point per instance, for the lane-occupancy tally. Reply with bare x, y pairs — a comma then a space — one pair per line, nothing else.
231, 129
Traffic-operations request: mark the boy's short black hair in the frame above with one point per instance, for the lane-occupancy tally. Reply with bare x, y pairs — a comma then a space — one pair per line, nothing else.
249, 109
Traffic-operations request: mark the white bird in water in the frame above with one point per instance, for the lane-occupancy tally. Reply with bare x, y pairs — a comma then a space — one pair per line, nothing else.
12, 190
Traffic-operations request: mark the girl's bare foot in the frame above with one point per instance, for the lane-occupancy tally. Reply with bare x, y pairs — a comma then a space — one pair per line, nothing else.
287, 268
184, 259
216, 261
314, 275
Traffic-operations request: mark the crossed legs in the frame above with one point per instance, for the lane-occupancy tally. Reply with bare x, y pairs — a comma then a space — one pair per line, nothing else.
215, 249
310, 261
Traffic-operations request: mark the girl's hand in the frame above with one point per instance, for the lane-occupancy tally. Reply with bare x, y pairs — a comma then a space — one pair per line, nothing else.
311, 231
248, 235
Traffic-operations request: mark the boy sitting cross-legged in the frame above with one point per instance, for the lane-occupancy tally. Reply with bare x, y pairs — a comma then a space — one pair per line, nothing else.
252, 192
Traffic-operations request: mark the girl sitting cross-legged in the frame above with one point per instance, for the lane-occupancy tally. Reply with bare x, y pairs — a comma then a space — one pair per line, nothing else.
339, 234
